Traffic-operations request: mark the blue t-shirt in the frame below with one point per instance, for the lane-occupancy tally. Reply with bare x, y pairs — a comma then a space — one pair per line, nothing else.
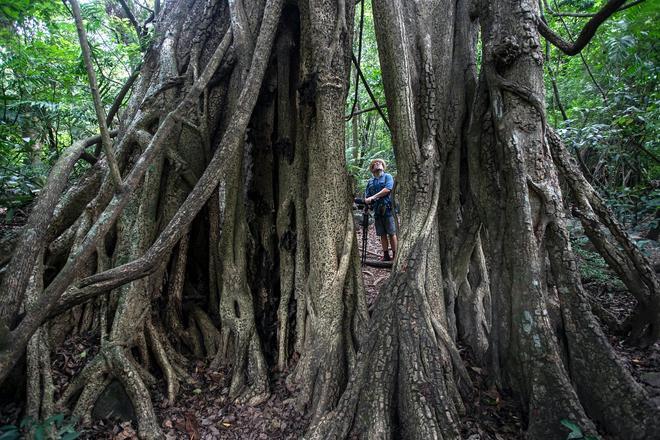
382, 206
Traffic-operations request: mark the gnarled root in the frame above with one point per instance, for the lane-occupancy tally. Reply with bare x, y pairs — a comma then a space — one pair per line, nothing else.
625, 409
249, 383
209, 333
614, 245
40, 392
408, 374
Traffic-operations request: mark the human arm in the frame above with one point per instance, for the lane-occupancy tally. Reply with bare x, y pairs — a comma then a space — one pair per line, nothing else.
379, 195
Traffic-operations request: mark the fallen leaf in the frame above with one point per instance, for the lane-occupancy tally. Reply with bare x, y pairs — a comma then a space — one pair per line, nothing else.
192, 426
126, 433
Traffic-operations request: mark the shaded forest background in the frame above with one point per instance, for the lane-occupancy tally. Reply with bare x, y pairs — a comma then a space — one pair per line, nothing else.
605, 102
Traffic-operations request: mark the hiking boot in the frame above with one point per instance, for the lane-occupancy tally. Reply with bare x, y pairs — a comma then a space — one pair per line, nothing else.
386, 257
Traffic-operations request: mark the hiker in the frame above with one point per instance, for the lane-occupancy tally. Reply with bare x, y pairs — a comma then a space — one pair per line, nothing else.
377, 196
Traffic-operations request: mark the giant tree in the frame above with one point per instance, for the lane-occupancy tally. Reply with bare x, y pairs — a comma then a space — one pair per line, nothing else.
226, 137
233, 218
544, 343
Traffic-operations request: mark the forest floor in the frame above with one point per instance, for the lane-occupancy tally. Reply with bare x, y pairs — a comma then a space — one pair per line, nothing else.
202, 410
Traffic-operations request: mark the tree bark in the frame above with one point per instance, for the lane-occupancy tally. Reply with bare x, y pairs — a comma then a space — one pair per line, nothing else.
614, 245
409, 378
533, 352
239, 108
335, 307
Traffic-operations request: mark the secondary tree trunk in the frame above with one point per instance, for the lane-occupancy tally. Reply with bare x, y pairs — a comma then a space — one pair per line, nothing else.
555, 361
409, 378
335, 301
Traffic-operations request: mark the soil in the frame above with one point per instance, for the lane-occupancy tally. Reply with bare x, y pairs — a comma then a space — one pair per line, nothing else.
374, 277
202, 409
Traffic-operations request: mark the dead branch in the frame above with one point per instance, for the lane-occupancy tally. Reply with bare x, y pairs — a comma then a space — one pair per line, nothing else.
366, 110
359, 58
98, 105
121, 95
371, 94
587, 32
131, 17
585, 14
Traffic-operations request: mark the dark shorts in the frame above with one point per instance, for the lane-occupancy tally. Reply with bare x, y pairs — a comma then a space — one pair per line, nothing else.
385, 225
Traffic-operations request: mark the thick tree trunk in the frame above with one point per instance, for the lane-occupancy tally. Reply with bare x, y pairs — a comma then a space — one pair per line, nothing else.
284, 176
550, 361
409, 378
149, 208
236, 307
335, 307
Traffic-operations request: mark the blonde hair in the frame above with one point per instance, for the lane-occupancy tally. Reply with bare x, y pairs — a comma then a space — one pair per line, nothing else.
373, 162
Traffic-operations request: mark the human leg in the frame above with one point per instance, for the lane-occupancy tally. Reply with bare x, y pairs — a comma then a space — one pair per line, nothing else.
390, 228
381, 232
393, 244
383, 242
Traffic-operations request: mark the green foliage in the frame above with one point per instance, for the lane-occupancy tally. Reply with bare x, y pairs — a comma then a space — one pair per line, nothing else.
612, 102
593, 268
611, 99
44, 96
367, 136
576, 432
54, 427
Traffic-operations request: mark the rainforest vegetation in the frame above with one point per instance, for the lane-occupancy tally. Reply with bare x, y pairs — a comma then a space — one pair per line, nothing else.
177, 233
